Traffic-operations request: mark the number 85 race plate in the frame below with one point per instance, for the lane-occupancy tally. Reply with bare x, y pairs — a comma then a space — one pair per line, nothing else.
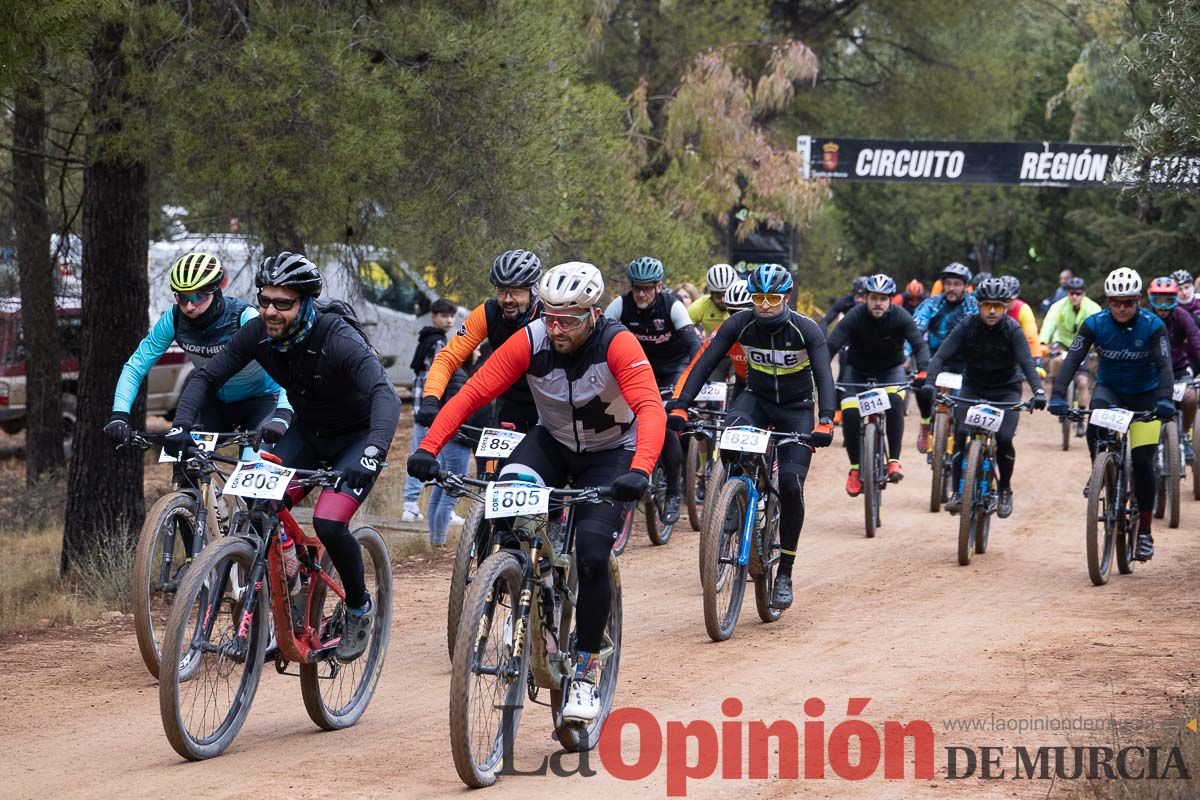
259, 479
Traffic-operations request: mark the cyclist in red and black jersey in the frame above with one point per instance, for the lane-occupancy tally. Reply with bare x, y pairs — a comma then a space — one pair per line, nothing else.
602, 424
660, 321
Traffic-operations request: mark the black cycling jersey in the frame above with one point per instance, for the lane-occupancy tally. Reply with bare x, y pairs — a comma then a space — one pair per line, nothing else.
336, 383
665, 330
877, 345
995, 355
785, 360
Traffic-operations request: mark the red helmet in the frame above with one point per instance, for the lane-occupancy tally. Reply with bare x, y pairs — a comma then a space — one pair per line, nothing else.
914, 288
1164, 293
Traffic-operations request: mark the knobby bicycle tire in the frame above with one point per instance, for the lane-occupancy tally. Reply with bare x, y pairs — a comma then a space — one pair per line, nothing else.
941, 428
1102, 521
1172, 472
691, 480
721, 540
967, 516
867, 469
764, 563
1127, 521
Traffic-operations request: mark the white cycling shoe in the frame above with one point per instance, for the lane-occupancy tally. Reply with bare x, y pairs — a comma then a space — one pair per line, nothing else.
583, 702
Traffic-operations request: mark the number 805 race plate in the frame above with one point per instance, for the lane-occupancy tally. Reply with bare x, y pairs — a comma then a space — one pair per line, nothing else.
510, 498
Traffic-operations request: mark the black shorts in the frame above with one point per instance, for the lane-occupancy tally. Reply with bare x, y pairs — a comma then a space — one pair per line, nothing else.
302, 448
751, 409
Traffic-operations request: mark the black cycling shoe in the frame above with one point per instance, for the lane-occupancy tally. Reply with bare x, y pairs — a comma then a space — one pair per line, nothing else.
671, 512
1004, 503
1145, 546
782, 596
355, 635
954, 504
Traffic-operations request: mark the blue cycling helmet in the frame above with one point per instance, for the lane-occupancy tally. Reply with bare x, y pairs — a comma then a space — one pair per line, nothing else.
769, 279
645, 270
880, 284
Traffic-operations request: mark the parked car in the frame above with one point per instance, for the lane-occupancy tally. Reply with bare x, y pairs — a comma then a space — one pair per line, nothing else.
163, 384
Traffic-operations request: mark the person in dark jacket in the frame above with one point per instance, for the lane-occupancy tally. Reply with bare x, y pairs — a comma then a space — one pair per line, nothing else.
876, 332
346, 412
995, 355
430, 341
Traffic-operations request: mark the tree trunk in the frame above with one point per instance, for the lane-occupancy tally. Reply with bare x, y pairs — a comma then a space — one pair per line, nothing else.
43, 379
104, 497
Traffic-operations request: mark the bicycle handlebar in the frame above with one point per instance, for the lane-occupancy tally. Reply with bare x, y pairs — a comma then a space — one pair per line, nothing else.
147, 439
1081, 414
900, 385
592, 494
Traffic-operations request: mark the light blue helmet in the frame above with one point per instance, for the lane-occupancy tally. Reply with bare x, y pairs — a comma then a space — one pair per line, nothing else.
769, 279
645, 270
880, 284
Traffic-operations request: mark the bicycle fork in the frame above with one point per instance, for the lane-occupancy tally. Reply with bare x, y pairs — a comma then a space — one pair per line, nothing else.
749, 522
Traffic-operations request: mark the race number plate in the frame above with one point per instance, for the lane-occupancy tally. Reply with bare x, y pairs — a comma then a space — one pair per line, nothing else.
745, 439
712, 393
872, 401
205, 441
949, 380
1180, 390
259, 479
497, 443
510, 498
984, 416
1115, 419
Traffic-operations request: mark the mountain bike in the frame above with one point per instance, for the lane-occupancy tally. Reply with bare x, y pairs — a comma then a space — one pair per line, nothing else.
977, 485
177, 527
1073, 394
741, 535
475, 539
212, 656
517, 634
1112, 509
941, 451
873, 404
654, 503
1168, 469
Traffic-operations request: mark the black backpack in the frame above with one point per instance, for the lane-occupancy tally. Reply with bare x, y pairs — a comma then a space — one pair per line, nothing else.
344, 310
304, 369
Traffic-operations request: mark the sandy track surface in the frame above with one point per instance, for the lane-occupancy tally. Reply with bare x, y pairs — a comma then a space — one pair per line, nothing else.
1021, 633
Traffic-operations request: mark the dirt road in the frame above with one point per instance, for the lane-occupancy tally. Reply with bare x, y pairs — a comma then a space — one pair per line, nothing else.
1019, 634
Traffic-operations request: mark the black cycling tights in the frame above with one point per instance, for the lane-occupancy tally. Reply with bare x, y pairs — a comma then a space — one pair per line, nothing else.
672, 460
851, 429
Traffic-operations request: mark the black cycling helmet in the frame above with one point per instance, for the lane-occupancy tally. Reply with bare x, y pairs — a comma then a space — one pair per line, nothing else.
956, 270
859, 286
1075, 285
880, 284
291, 271
516, 268
992, 290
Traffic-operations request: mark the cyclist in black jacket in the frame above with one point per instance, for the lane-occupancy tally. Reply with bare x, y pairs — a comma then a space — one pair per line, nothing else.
876, 332
786, 360
346, 411
843, 305
996, 355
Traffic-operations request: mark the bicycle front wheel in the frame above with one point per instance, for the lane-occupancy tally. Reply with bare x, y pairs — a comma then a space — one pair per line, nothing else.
941, 465
1172, 471
159, 565
1103, 517
337, 693
691, 481
968, 517
723, 579
488, 678
868, 470
467, 556
209, 673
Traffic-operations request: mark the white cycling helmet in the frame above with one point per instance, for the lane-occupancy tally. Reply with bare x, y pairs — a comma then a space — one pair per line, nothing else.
1123, 282
719, 278
575, 284
738, 296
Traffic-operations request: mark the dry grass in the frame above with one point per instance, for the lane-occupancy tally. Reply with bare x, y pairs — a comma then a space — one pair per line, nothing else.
30, 587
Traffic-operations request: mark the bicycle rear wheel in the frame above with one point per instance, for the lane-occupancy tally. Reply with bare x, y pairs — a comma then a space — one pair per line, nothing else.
691, 481
968, 518
337, 693
941, 465
764, 565
488, 679
1102, 517
626, 529
584, 737
208, 674
658, 530
723, 579
1172, 471
1126, 514
466, 559
159, 565
868, 468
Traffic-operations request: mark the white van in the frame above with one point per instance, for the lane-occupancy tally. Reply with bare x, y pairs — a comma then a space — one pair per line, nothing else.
391, 299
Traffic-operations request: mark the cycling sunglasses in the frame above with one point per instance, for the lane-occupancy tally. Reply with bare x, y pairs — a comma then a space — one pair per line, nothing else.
992, 305
643, 288
1122, 302
195, 298
565, 322
280, 303
771, 299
